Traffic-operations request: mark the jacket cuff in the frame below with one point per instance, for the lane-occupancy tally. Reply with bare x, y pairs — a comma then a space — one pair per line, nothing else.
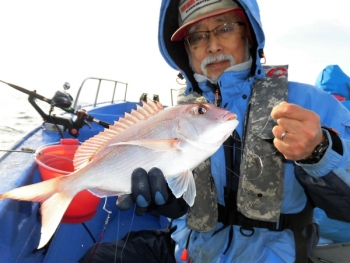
331, 158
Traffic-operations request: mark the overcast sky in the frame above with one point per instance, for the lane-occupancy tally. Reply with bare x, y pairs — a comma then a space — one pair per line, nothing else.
45, 43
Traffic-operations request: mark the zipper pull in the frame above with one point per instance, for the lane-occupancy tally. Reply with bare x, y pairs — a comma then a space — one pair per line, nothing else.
216, 101
184, 255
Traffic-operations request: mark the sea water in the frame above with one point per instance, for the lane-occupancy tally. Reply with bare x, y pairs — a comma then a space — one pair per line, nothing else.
17, 117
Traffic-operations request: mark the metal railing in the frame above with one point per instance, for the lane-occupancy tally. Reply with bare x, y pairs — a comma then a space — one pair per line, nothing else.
100, 80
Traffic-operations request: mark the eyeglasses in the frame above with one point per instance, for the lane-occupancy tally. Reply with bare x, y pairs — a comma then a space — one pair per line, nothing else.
200, 38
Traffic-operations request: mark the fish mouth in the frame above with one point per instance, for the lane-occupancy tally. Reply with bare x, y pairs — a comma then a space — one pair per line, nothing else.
229, 117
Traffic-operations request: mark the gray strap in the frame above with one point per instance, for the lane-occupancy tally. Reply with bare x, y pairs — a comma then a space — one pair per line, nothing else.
203, 215
260, 190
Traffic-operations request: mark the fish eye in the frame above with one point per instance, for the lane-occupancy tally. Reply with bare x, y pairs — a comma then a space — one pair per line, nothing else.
202, 110
199, 110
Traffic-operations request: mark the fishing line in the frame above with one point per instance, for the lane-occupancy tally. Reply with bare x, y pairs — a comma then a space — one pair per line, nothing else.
116, 242
257, 135
249, 153
103, 230
42, 155
89, 232
54, 157
260, 157
246, 179
126, 240
58, 129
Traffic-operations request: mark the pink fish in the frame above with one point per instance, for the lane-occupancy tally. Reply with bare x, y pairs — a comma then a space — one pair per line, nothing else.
175, 139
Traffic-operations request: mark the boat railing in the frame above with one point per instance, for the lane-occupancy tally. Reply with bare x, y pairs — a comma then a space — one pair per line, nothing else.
174, 94
100, 85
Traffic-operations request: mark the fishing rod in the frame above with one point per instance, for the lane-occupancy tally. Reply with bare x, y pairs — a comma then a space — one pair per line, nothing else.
62, 100
23, 150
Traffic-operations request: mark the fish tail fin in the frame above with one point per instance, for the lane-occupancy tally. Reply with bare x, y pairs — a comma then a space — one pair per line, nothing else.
52, 211
38, 192
55, 200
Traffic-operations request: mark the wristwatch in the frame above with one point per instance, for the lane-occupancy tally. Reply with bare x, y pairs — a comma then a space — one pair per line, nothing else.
318, 153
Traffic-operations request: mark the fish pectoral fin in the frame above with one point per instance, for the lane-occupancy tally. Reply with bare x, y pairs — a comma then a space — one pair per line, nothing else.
157, 145
190, 194
183, 184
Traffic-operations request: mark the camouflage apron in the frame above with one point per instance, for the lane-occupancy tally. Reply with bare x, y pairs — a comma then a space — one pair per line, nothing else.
260, 189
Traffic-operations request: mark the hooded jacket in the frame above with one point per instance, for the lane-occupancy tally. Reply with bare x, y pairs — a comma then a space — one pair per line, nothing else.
326, 182
334, 81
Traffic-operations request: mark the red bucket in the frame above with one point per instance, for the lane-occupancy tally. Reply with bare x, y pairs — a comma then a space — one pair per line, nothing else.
57, 160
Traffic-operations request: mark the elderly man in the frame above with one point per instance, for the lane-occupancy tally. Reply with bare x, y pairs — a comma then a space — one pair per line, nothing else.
256, 194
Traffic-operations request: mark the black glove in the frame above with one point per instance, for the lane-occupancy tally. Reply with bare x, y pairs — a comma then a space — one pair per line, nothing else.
151, 193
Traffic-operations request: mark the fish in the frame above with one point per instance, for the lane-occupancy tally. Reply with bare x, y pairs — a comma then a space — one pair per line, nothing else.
174, 139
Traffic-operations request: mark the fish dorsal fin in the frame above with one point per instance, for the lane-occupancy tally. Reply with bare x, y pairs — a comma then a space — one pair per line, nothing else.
90, 147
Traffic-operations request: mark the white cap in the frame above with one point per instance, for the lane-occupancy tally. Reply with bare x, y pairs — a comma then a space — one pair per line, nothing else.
192, 11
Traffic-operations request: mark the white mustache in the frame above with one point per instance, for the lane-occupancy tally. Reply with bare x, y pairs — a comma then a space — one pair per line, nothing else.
212, 59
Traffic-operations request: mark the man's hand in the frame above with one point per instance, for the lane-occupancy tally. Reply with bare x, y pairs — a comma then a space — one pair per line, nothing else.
298, 131
151, 193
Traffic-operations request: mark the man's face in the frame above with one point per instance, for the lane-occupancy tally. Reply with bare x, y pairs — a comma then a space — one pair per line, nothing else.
236, 46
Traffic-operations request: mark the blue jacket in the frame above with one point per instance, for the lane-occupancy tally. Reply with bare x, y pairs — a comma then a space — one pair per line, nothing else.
264, 246
334, 81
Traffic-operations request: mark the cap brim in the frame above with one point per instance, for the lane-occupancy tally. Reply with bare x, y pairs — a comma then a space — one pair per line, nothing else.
181, 32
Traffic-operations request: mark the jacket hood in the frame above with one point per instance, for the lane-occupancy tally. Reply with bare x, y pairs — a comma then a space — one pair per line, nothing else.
333, 80
175, 54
